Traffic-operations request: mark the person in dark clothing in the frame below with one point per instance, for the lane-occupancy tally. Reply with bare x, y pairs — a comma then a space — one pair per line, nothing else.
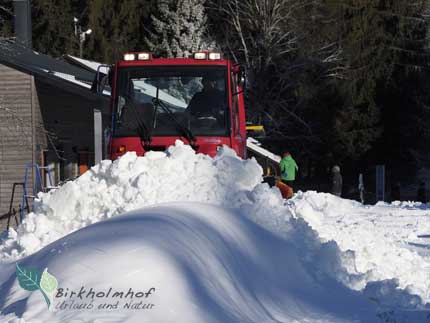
421, 193
336, 185
395, 192
209, 103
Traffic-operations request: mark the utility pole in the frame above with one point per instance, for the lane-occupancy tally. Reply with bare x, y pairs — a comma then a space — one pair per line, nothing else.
22, 22
80, 35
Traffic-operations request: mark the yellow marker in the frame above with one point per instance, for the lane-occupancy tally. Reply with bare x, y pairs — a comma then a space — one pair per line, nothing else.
255, 128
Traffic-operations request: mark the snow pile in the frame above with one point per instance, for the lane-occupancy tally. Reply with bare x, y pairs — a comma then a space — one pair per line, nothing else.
209, 251
380, 242
129, 183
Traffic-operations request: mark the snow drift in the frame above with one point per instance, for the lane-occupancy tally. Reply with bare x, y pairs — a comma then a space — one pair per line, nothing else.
204, 264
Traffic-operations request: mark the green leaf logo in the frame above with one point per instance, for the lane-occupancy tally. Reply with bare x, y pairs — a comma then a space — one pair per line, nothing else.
30, 279
48, 283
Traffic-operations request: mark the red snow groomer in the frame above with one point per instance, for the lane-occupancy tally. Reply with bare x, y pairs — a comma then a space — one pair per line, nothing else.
156, 101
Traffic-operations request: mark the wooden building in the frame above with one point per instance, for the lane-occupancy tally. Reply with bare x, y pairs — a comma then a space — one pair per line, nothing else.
49, 117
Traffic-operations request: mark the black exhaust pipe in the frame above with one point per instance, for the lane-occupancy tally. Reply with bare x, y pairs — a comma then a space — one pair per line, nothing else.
22, 11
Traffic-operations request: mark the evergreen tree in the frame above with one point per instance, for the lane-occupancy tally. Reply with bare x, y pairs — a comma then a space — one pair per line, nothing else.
178, 28
118, 27
52, 26
376, 38
382, 41
404, 98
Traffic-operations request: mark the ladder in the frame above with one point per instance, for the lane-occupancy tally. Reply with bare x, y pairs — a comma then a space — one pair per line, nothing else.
38, 185
12, 211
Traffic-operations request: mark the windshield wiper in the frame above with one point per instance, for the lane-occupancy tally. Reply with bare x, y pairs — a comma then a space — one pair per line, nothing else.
187, 132
142, 129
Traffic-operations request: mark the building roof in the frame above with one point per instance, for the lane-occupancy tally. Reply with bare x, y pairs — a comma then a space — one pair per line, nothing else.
56, 72
89, 65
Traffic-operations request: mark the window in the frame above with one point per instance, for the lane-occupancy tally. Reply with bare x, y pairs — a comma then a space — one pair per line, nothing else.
165, 100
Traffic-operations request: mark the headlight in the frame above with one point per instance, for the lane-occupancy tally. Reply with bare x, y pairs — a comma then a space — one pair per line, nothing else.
144, 56
129, 57
214, 56
200, 55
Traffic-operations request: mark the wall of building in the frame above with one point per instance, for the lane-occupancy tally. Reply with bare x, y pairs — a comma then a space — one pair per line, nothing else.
17, 116
44, 124
69, 124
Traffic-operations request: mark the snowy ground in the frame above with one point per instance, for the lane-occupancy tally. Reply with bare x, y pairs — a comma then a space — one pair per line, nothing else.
216, 246
387, 240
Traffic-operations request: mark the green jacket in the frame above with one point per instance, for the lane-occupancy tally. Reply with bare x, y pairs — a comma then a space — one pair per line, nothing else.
288, 168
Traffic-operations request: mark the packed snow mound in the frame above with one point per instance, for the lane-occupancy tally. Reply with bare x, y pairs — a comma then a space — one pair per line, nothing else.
202, 263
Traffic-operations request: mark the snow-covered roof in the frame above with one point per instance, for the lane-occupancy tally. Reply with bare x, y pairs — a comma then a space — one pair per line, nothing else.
255, 146
91, 65
70, 77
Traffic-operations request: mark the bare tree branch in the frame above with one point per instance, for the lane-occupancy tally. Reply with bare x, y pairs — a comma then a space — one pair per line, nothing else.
11, 123
8, 11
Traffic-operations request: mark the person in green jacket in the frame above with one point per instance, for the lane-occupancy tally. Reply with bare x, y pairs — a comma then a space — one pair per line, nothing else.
288, 168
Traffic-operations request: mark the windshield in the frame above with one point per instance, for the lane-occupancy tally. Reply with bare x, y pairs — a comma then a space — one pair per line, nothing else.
166, 100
